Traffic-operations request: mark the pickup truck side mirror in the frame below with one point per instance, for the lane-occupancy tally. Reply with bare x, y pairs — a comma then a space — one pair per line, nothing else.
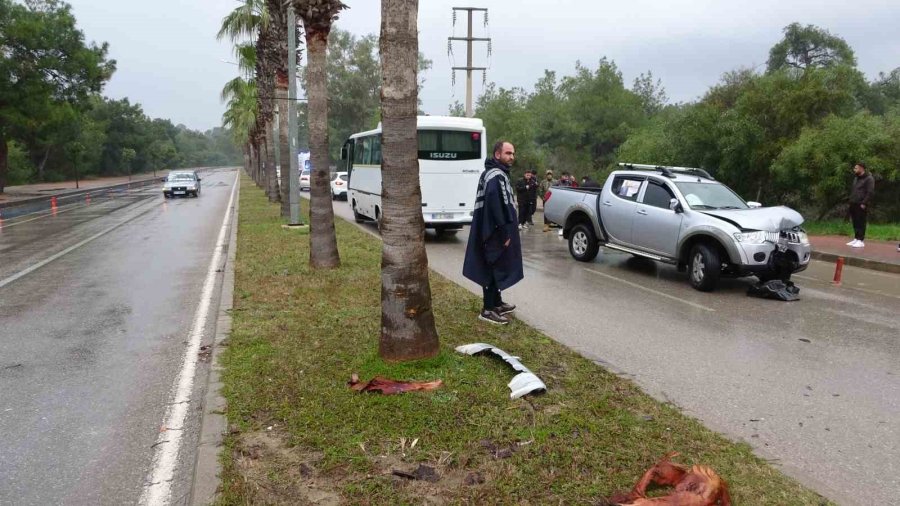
675, 206
753, 205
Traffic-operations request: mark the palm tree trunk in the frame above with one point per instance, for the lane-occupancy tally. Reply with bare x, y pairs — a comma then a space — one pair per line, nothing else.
245, 149
323, 252
282, 95
407, 319
271, 175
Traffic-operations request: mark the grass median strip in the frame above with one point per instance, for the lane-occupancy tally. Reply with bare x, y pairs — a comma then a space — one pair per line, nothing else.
300, 435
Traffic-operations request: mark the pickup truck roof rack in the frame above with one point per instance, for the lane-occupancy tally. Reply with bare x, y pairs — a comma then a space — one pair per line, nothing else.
668, 171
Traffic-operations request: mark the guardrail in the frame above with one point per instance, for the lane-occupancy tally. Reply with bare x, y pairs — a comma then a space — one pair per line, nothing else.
44, 203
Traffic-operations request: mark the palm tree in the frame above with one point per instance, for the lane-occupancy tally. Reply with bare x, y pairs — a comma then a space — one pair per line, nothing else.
251, 20
265, 78
279, 30
240, 115
407, 319
318, 16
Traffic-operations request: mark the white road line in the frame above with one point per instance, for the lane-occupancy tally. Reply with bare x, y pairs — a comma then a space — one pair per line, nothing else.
158, 489
661, 294
66, 251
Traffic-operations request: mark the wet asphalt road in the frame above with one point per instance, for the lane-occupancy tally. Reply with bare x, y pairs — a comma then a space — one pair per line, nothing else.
91, 342
813, 385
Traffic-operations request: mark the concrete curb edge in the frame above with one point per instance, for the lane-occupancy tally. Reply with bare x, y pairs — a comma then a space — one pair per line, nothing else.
864, 263
214, 424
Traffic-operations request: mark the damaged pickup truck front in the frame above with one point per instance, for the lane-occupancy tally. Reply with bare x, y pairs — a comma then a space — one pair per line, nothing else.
684, 217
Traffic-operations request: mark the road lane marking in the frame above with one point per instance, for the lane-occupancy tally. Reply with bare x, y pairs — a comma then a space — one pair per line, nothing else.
657, 292
168, 445
68, 250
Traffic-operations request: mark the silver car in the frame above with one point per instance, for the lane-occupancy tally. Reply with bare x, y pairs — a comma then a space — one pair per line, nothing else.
684, 217
181, 183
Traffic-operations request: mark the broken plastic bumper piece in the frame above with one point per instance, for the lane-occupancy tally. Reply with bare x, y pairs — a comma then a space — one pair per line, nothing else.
523, 383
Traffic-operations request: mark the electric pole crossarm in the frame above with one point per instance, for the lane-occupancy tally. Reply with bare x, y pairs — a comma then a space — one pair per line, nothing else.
476, 39
468, 68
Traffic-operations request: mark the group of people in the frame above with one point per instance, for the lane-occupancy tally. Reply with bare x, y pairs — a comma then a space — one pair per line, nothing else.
494, 251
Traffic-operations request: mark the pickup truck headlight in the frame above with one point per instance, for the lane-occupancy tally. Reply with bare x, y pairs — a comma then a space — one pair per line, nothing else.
755, 237
804, 239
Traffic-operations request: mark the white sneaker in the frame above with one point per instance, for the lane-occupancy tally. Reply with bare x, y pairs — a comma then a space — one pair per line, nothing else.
520, 227
851, 243
859, 244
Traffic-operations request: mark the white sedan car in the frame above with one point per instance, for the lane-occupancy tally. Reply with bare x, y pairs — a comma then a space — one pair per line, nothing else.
339, 185
304, 179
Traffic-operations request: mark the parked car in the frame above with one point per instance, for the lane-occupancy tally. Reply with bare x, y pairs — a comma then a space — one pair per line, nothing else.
181, 183
339, 185
681, 216
304, 179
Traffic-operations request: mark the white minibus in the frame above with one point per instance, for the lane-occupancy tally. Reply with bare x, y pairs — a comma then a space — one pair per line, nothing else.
451, 159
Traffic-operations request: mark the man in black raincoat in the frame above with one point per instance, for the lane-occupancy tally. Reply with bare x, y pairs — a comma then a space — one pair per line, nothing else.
494, 253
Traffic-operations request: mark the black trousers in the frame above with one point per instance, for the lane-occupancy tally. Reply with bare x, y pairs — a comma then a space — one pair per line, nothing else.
526, 209
491, 295
858, 217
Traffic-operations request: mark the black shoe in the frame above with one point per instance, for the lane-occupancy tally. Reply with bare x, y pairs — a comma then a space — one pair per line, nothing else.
493, 317
504, 309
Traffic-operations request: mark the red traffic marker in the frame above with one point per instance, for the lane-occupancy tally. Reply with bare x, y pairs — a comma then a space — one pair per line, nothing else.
53, 201
838, 271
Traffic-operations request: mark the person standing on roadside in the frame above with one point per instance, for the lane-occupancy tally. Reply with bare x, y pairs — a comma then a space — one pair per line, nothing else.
543, 188
526, 195
861, 192
494, 251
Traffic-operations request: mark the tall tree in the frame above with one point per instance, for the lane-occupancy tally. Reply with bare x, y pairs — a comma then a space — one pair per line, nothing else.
809, 46
318, 16
43, 60
407, 319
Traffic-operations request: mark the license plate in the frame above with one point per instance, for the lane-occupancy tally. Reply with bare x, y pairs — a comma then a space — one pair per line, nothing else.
442, 216
179, 193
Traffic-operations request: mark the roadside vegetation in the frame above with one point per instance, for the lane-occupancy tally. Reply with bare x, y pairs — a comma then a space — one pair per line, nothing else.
874, 231
56, 125
787, 133
299, 434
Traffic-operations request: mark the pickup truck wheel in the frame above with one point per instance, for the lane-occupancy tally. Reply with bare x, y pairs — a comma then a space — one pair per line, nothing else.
583, 245
704, 268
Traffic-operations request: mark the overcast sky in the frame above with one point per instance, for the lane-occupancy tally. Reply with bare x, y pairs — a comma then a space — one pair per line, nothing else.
170, 62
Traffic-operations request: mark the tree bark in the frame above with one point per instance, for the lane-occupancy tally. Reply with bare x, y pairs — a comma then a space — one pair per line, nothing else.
407, 319
285, 148
271, 175
4, 161
245, 149
323, 252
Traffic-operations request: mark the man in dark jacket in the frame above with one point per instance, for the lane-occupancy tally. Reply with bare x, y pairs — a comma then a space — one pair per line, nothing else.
587, 182
526, 195
860, 198
494, 253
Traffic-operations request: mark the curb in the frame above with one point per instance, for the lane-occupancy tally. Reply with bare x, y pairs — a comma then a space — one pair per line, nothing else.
864, 263
213, 424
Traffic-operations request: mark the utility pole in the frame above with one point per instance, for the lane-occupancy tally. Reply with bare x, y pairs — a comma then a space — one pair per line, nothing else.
469, 68
294, 185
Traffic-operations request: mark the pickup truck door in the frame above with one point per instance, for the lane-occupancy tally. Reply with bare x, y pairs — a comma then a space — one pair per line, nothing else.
618, 203
656, 227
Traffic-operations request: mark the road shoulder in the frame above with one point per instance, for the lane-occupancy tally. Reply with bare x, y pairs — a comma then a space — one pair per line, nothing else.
208, 467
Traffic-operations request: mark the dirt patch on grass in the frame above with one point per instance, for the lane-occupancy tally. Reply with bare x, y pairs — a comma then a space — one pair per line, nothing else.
277, 474
271, 471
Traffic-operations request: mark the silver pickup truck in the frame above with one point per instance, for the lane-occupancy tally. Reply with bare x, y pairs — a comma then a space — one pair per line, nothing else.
684, 217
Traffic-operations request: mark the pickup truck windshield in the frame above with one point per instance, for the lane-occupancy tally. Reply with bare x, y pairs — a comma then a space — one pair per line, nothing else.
710, 196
